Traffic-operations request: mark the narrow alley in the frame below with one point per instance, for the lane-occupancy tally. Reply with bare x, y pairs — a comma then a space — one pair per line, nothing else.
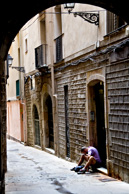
37, 172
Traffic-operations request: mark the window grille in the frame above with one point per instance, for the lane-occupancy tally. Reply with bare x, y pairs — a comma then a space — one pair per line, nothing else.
41, 56
113, 22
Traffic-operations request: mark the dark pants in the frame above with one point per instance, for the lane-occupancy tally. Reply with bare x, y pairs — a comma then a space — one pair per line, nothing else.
96, 165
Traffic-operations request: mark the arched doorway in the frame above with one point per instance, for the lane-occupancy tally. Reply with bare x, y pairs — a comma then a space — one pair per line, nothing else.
48, 117
96, 106
36, 127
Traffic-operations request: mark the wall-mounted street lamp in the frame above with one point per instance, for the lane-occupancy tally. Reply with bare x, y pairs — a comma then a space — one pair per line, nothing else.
91, 17
69, 7
9, 60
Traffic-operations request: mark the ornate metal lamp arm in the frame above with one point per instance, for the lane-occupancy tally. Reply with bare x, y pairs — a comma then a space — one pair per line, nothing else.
21, 69
90, 17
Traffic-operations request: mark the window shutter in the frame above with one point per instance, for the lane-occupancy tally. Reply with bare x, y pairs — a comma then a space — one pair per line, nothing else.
17, 88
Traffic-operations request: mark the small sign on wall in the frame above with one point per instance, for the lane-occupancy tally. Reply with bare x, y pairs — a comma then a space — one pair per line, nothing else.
92, 116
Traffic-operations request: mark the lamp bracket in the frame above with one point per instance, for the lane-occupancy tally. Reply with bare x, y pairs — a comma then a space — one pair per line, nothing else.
21, 69
90, 17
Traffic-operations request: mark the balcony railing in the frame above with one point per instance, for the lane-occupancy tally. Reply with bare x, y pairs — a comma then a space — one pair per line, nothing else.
41, 56
59, 54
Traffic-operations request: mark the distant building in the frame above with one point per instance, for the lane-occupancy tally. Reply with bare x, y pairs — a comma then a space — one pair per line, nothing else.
15, 94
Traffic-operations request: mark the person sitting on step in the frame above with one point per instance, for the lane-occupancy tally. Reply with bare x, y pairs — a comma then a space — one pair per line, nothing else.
92, 158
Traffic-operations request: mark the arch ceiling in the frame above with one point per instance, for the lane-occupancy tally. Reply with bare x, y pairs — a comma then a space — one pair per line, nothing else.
14, 14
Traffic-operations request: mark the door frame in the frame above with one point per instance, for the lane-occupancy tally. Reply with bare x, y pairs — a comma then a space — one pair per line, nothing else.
33, 117
92, 79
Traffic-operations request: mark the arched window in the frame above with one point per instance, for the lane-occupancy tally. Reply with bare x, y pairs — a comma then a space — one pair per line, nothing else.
36, 126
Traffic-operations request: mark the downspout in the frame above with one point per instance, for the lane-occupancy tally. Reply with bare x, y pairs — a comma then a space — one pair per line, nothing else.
54, 96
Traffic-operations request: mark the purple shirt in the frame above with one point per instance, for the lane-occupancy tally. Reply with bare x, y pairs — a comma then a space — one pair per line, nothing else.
94, 152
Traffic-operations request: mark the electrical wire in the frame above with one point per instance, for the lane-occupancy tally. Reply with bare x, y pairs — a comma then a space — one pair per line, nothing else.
59, 13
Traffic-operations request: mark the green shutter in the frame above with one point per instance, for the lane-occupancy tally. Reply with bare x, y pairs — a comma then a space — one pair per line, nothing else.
17, 88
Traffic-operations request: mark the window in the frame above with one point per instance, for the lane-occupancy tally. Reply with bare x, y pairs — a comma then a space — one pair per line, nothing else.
59, 55
19, 57
67, 130
33, 83
40, 56
58, 35
26, 45
17, 88
113, 22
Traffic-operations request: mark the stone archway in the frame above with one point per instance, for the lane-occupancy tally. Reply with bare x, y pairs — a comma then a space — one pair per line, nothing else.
47, 117
11, 20
36, 125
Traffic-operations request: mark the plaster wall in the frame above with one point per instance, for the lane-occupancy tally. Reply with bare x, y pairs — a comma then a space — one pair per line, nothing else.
13, 73
79, 34
13, 121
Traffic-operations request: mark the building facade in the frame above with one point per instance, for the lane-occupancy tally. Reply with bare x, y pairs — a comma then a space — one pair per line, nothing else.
15, 93
76, 85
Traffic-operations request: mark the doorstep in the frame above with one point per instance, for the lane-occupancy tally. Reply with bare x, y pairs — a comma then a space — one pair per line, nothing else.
50, 151
103, 170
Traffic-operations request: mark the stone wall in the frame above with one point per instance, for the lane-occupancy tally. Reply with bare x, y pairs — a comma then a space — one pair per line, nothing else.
33, 97
116, 99
117, 76
28, 111
3, 154
37, 97
75, 78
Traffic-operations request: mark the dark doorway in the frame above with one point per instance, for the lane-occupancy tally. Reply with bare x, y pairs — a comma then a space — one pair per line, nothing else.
50, 122
67, 122
101, 132
36, 125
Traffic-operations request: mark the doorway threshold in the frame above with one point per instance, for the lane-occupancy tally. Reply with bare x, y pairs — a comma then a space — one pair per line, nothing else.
103, 170
50, 150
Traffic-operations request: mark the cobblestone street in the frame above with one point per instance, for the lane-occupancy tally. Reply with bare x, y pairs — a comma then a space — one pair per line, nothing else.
31, 171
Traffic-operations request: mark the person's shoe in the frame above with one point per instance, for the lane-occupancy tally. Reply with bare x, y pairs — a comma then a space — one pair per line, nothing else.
73, 169
82, 171
77, 168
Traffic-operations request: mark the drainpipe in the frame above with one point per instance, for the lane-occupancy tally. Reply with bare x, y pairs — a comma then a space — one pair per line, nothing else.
54, 96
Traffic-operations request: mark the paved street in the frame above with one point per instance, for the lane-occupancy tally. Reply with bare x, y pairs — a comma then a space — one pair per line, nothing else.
31, 171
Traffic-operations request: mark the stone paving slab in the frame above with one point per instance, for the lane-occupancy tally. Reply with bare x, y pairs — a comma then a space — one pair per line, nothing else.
32, 171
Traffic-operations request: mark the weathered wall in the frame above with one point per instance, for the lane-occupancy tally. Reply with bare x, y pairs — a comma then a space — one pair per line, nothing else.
3, 156
14, 122
32, 97
13, 73
36, 97
75, 78
75, 40
117, 74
